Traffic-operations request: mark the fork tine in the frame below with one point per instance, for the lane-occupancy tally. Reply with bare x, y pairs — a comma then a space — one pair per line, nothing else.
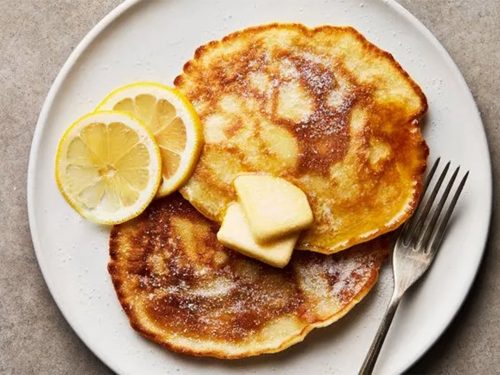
431, 224
417, 226
439, 235
431, 174
408, 226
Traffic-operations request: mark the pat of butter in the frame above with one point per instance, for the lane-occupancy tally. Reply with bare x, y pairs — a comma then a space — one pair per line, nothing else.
235, 234
273, 206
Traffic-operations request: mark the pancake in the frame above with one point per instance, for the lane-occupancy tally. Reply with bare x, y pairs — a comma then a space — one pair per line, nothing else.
184, 290
323, 108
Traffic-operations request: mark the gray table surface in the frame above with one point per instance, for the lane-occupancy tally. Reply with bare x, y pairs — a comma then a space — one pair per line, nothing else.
36, 37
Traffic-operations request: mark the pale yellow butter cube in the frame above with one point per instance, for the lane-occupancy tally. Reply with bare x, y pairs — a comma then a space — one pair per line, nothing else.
235, 234
273, 206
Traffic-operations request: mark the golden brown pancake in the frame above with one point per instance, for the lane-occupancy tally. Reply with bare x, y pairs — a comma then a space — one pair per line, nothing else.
323, 108
182, 289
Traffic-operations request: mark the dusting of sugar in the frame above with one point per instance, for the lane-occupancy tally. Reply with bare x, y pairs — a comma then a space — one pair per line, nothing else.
344, 273
318, 80
315, 58
288, 70
219, 287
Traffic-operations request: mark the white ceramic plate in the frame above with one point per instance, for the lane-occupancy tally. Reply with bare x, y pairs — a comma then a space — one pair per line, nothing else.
151, 40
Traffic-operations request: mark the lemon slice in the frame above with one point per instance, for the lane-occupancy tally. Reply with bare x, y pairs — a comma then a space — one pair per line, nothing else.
173, 121
108, 167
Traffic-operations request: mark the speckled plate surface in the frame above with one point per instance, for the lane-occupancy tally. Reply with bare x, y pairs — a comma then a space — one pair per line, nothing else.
150, 40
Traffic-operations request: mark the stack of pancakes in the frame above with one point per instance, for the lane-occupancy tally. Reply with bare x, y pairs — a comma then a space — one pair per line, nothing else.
324, 109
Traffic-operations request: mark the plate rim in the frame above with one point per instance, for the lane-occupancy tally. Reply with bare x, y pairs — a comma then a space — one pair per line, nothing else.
101, 26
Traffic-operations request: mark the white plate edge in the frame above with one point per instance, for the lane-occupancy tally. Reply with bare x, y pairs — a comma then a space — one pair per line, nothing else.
82, 46
458, 74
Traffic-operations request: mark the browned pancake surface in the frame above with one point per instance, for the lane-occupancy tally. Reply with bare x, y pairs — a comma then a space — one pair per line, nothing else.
181, 288
323, 108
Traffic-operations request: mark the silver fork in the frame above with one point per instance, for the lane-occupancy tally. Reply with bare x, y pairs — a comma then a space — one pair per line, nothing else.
415, 249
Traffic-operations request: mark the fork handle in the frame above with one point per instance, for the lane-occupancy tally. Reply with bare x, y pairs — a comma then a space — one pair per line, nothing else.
372, 355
